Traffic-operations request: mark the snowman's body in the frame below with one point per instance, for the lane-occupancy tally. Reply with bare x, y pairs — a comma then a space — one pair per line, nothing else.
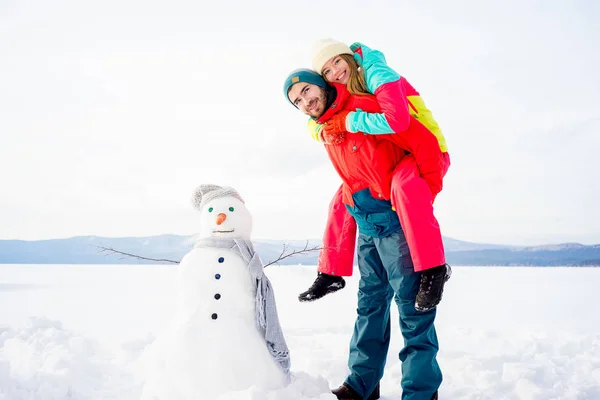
213, 346
217, 338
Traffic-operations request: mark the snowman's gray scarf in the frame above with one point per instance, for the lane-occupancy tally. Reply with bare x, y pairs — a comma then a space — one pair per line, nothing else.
266, 317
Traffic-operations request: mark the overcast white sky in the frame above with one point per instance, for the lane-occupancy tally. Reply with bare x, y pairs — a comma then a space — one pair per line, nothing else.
112, 112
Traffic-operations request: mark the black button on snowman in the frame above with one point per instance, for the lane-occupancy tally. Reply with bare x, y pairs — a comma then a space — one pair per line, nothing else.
217, 295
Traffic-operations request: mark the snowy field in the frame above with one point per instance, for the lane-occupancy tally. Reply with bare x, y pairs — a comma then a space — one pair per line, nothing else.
77, 332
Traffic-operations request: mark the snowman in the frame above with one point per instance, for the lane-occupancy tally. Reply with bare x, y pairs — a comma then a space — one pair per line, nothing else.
226, 334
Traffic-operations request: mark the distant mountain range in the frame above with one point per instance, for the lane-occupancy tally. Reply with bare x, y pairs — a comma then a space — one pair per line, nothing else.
86, 250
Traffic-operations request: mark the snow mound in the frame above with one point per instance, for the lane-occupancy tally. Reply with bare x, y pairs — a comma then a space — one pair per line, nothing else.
524, 366
302, 387
42, 360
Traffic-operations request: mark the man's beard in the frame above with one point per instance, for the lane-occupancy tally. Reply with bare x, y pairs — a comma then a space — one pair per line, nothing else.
321, 101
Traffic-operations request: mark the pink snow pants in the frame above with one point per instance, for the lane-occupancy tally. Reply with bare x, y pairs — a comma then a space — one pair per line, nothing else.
412, 200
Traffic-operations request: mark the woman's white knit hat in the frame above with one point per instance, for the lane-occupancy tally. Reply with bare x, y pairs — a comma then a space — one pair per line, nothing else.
325, 49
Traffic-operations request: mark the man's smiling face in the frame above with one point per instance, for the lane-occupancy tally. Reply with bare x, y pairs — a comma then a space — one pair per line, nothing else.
310, 99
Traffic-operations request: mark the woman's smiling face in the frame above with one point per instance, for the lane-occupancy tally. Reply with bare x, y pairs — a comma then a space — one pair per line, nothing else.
336, 70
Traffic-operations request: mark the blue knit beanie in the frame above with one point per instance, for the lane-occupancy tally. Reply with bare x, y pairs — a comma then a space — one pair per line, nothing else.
302, 75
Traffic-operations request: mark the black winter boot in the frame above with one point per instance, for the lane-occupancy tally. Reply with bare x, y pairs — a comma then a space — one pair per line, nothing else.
435, 396
432, 287
323, 285
345, 392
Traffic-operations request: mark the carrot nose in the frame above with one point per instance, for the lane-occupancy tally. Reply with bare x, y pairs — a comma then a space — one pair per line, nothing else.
221, 218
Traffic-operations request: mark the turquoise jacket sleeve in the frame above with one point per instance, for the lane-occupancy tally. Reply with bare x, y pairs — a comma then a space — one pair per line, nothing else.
386, 85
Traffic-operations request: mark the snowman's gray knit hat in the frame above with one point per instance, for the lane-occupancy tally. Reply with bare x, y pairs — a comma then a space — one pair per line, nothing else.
205, 193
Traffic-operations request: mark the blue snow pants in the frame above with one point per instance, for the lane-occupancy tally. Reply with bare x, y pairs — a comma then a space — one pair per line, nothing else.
386, 271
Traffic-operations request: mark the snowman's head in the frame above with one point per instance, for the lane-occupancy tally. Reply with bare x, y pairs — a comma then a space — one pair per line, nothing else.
223, 213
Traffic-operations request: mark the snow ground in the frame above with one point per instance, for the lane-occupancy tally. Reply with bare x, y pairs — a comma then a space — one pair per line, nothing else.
77, 332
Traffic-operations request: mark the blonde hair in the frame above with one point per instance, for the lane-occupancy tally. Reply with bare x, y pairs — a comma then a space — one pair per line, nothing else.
356, 82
